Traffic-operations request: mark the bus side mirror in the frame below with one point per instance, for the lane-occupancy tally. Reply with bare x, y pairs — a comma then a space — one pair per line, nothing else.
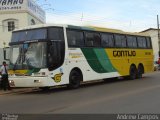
6, 53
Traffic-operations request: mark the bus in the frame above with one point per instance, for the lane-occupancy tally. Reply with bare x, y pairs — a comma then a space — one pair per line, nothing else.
51, 55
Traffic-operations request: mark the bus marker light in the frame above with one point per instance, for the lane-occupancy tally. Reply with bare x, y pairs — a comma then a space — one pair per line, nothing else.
37, 81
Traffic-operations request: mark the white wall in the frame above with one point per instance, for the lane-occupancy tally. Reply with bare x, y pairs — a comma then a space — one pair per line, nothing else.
24, 19
1, 56
5, 35
154, 36
22, 13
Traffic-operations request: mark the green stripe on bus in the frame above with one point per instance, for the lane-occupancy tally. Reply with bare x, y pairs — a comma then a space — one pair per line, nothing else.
98, 60
92, 60
104, 60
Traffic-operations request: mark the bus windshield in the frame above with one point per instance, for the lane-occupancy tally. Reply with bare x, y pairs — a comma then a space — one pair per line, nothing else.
28, 56
29, 35
37, 48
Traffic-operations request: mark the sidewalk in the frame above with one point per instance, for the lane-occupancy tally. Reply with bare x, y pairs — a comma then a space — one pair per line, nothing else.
15, 90
2, 92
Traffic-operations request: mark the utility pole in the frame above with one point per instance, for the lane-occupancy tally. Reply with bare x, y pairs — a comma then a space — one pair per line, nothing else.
158, 33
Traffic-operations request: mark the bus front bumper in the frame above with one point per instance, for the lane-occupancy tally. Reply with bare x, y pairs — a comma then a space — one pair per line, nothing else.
28, 81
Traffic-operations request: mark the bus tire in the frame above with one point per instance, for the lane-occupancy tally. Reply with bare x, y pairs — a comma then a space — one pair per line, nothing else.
140, 72
75, 79
133, 72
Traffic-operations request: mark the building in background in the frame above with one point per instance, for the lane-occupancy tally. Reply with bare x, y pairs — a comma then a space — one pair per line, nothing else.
155, 41
15, 14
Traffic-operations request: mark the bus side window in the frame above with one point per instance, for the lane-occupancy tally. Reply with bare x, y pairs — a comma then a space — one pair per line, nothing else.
132, 41
142, 43
120, 41
75, 38
107, 40
56, 47
56, 33
55, 54
93, 39
149, 43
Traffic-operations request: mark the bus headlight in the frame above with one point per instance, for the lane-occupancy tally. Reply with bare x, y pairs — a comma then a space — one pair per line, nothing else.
11, 83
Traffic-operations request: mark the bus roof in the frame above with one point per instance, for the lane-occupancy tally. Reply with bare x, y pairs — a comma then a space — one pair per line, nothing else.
90, 28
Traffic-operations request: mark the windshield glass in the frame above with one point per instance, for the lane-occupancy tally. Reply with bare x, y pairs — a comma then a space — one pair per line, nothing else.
28, 56
37, 48
36, 34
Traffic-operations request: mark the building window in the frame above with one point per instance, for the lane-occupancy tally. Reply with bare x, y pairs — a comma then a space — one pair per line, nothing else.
33, 22
11, 26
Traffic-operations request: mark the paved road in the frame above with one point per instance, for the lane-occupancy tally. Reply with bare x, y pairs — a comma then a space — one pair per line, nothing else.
122, 96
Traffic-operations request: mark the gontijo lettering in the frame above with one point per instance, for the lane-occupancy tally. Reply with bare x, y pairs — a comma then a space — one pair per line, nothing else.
122, 53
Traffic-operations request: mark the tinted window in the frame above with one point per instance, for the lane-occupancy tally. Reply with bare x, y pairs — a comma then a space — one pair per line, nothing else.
55, 34
36, 34
56, 52
18, 36
132, 41
107, 40
75, 38
93, 39
142, 43
149, 44
120, 41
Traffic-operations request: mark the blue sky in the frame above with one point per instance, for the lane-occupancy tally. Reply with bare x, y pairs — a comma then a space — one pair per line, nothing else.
128, 15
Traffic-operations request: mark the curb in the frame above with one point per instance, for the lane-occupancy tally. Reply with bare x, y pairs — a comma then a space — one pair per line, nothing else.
15, 91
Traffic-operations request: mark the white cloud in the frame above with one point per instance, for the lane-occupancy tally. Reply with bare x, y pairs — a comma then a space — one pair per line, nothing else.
126, 15
99, 20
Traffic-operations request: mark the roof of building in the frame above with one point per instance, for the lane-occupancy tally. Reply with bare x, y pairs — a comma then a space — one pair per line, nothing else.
149, 29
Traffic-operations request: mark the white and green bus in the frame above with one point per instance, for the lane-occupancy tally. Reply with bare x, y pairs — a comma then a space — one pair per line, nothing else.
52, 55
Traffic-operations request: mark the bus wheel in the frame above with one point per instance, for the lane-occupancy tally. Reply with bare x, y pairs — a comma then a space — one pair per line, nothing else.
74, 79
140, 72
133, 73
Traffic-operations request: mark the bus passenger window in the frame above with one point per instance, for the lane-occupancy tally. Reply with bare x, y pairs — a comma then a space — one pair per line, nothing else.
93, 39
120, 41
56, 53
132, 41
149, 44
142, 42
75, 38
107, 40
56, 34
